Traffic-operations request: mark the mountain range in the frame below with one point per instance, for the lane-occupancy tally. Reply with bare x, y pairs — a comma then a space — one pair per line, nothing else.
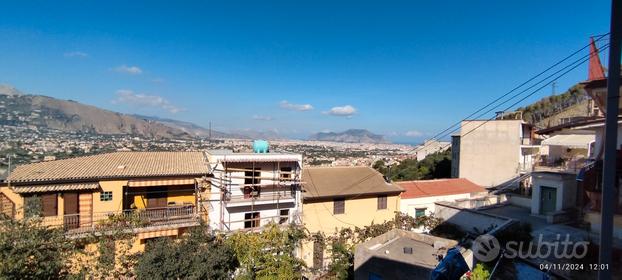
349, 136
71, 116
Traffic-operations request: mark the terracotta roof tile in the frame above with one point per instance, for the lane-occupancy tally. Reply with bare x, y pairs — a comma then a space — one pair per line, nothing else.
344, 181
113, 165
438, 187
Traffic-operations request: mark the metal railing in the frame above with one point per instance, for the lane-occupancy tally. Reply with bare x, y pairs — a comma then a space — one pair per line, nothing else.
260, 196
126, 219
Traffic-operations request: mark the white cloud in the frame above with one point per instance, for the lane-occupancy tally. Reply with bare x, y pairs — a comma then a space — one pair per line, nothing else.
158, 80
132, 70
77, 54
296, 107
342, 111
262, 118
414, 133
126, 96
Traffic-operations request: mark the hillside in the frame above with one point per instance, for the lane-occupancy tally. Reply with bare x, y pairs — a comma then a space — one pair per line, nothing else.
551, 106
70, 116
349, 136
190, 128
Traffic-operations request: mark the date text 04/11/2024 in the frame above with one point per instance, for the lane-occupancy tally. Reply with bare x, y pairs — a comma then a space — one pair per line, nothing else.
573, 266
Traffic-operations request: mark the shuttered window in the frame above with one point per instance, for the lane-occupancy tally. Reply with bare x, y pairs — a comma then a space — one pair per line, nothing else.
382, 202
339, 206
49, 205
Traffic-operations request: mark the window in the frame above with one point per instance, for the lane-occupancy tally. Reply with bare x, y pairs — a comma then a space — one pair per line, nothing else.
382, 202
339, 206
251, 220
45, 205
419, 212
284, 217
105, 196
251, 179
286, 173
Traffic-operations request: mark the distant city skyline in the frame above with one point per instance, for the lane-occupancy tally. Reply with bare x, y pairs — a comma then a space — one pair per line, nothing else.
405, 70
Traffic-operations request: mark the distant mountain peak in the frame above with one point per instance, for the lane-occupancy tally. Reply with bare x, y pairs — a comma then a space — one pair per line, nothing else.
349, 136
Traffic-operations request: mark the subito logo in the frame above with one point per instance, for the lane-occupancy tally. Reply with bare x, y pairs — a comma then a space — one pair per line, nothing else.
486, 248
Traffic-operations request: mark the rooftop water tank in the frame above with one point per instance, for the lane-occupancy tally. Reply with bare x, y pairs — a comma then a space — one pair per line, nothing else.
261, 146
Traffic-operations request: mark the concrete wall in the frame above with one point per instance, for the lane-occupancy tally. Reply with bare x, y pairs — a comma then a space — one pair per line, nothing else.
520, 201
408, 206
469, 220
490, 155
594, 219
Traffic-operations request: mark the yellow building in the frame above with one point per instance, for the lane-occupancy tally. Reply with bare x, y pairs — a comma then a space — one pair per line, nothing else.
159, 191
343, 197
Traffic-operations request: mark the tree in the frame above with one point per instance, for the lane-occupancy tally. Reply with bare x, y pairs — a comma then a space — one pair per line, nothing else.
196, 255
436, 165
29, 250
269, 253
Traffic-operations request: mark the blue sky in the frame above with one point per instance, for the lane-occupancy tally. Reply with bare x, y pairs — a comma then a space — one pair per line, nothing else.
405, 69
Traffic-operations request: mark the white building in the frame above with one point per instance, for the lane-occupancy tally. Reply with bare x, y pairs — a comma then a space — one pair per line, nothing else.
494, 153
249, 190
419, 197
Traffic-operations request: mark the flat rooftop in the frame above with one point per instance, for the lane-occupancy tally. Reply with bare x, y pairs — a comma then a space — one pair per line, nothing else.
407, 247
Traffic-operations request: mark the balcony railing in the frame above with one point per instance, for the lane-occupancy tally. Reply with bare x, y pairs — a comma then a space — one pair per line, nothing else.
568, 165
260, 197
126, 219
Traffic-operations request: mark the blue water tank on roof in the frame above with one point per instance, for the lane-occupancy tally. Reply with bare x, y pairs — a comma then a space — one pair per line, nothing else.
261, 146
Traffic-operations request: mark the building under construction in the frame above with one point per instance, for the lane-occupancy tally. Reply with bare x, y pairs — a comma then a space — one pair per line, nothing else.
250, 190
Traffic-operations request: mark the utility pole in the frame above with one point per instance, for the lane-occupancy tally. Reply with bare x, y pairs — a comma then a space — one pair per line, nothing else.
611, 135
553, 87
210, 132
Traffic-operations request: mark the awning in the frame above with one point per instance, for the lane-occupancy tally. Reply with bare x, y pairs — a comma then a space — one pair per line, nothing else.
570, 140
56, 188
161, 182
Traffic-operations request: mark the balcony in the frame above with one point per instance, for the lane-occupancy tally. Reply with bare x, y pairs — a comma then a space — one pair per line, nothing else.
573, 165
136, 220
591, 178
261, 198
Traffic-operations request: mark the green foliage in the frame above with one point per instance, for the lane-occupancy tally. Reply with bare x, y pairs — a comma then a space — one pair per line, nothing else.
196, 255
480, 272
434, 166
268, 254
551, 105
29, 250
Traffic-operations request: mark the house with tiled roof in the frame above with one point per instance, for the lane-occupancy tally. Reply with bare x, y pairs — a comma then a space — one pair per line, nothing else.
419, 196
343, 197
162, 189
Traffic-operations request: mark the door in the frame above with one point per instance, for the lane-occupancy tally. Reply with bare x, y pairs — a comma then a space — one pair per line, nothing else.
156, 197
71, 210
548, 199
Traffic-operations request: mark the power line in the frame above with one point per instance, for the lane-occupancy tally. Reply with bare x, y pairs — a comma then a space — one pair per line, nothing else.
534, 92
452, 128
436, 137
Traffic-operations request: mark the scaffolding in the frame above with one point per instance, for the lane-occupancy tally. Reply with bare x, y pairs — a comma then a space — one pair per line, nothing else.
284, 184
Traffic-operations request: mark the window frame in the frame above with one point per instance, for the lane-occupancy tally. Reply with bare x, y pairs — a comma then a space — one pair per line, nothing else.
420, 209
382, 203
339, 206
105, 194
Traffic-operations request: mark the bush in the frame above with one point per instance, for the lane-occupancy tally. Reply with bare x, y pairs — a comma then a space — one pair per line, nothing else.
29, 250
196, 255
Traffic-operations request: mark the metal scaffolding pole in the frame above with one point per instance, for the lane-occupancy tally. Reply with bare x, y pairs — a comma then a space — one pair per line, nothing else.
611, 135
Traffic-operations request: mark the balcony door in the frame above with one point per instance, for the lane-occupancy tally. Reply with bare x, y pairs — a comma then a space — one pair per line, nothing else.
71, 210
156, 197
